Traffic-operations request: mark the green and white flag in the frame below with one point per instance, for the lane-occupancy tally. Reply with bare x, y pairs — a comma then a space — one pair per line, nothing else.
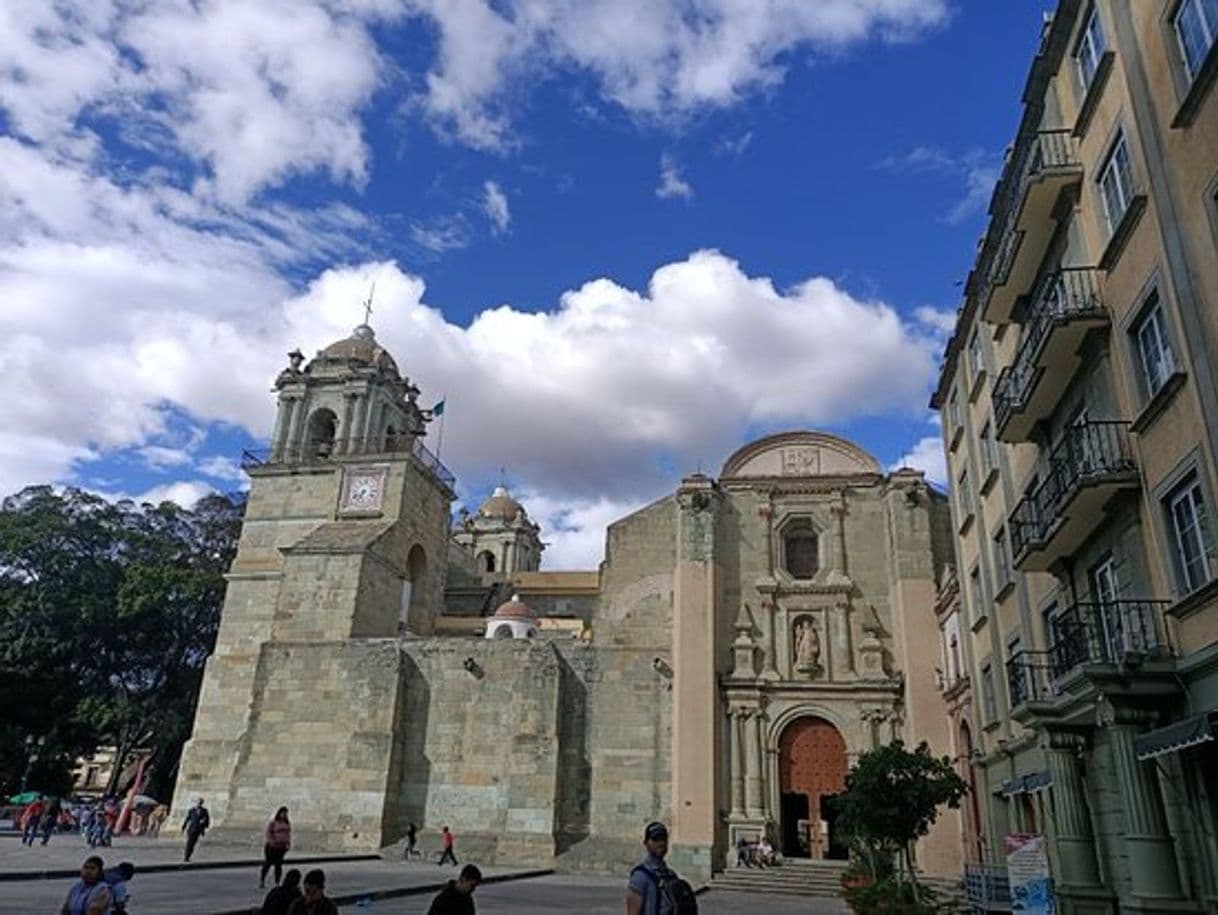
438, 409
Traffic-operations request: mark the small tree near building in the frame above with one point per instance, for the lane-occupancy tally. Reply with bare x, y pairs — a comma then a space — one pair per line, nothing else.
892, 798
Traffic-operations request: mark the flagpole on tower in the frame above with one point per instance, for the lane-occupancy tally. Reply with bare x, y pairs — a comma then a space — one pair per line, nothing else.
438, 410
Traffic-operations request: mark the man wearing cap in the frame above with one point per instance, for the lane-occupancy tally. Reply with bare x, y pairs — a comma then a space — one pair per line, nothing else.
646, 895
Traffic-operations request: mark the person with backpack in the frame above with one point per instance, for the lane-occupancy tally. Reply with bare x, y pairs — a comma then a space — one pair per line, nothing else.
654, 888
117, 879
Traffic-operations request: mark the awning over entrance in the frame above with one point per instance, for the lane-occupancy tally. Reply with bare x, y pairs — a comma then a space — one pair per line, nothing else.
1179, 735
1028, 784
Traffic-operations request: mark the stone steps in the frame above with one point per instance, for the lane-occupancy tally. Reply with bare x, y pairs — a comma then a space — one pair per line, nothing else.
800, 878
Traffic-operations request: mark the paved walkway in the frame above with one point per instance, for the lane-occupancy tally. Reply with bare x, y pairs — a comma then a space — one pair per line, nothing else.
208, 892
568, 894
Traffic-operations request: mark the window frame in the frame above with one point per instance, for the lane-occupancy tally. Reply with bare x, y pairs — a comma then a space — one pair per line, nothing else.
1091, 43
1192, 69
1004, 572
1118, 162
1153, 315
989, 696
802, 529
1189, 488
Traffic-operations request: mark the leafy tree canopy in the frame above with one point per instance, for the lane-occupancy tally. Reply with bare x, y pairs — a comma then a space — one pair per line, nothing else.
108, 611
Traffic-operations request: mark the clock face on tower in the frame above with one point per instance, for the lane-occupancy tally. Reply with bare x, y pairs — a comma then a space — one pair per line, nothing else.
363, 489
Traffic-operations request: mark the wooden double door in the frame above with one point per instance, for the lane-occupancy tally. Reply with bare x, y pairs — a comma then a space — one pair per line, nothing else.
811, 771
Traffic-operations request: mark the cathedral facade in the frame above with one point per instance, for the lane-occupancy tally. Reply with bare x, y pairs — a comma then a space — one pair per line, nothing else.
380, 662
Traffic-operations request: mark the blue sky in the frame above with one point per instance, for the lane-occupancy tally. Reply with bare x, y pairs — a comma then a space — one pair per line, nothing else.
621, 238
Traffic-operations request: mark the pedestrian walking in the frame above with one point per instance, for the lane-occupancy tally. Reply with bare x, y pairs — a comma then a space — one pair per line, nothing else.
50, 819
278, 841
457, 898
446, 838
90, 895
281, 897
196, 824
412, 843
654, 888
314, 901
30, 818
117, 879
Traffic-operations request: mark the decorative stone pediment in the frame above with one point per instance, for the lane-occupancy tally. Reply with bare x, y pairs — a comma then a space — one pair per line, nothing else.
800, 454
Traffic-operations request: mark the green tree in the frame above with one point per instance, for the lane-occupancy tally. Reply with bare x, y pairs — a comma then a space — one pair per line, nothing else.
107, 614
892, 798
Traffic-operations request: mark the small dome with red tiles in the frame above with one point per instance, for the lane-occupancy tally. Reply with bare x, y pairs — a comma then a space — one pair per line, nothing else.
515, 609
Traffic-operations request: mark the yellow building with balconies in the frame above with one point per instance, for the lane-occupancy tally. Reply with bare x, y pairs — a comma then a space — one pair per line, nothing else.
1079, 403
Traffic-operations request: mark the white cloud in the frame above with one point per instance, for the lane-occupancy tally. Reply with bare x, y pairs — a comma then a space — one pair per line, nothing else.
184, 492
671, 183
939, 320
658, 59
159, 457
495, 206
976, 169
449, 233
251, 92
220, 467
926, 455
734, 146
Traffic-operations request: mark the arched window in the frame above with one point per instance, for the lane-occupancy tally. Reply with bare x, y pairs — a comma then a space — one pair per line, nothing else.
801, 550
503, 632
486, 561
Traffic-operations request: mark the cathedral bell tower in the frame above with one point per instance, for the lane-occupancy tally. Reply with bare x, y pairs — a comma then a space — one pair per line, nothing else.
501, 537
343, 551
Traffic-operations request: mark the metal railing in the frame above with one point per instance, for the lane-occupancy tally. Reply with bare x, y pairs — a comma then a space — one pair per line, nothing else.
987, 887
1107, 632
325, 450
1064, 295
1030, 677
1121, 632
1043, 151
1088, 452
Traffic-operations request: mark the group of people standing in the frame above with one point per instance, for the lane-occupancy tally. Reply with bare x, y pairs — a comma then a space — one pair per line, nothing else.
99, 891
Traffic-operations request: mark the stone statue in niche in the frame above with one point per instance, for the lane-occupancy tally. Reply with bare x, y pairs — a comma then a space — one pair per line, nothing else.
807, 646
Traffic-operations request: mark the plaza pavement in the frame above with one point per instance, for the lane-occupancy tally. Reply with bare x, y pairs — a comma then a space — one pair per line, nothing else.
212, 890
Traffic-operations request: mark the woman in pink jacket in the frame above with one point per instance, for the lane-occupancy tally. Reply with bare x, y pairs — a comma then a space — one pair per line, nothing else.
278, 841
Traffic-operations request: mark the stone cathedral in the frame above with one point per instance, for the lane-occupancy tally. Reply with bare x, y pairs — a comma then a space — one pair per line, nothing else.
383, 659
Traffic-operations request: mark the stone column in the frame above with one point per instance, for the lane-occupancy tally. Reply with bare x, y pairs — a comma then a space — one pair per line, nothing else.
753, 775
1149, 847
737, 764
843, 645
838, 512
769, 669
359, 432
283, 420
1074, 839
344, 431
294, 446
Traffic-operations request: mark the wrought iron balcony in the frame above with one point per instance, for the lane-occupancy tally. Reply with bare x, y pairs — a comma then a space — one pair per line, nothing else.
1120, 633
328, 450
1088, 466
1066, 306
1041, 167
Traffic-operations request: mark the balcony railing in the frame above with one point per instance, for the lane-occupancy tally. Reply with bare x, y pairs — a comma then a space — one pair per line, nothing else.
1043, 154
987, 888
1089, 453
1121, 633
1065, 296
1108, 632
326, 450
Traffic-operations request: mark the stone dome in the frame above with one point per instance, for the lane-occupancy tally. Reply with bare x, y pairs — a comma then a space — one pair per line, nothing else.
515, 609
500, 505
360, 347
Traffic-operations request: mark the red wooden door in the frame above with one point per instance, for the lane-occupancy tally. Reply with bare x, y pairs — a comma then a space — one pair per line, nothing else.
812, 762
